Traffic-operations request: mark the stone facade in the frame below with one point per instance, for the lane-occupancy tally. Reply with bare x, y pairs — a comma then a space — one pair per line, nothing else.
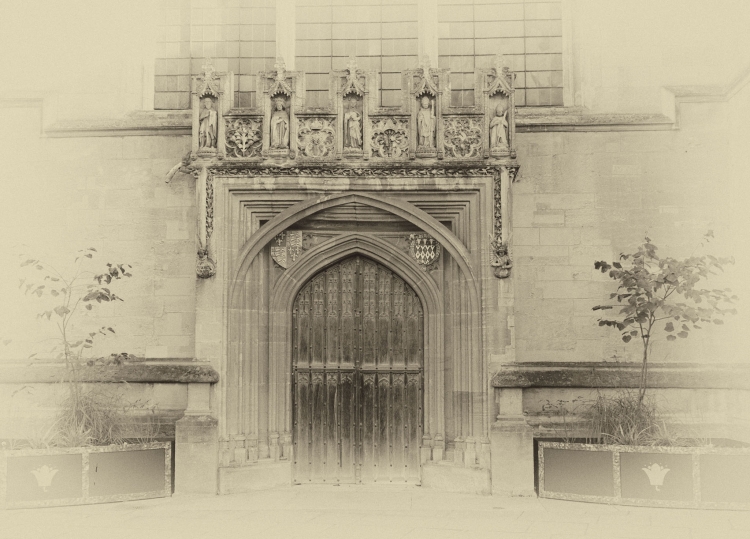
514, 282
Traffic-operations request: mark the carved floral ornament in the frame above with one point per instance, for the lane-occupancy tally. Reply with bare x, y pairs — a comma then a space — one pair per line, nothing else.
463, 137
390, 137
244, 137
315, 137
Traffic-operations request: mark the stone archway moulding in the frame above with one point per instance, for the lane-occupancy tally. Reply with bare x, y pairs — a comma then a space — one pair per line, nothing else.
319, 258
402, 209
278, 405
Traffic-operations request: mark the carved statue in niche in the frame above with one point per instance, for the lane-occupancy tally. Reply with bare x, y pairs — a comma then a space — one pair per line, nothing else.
352, 126
279, 126
209, 124
426, 123
499, 127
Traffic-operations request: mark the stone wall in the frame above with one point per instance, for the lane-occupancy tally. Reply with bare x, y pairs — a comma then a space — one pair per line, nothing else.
65, 194
586, 196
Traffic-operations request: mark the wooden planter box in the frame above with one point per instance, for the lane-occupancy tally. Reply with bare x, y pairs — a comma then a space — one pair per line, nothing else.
82, 475
696, 477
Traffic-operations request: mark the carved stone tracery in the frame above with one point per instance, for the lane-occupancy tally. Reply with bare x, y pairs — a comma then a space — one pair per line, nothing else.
244, 137
462, 137
315, 137
390, 137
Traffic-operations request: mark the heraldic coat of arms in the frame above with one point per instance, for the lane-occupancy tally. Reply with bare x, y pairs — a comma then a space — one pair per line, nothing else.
424, 249
287, 248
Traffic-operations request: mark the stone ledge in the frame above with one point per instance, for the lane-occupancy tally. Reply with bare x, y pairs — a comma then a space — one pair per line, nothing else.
145, 372
623, 375
177, 122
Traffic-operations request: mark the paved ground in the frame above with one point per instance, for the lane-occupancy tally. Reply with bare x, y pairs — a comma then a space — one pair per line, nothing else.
368, 512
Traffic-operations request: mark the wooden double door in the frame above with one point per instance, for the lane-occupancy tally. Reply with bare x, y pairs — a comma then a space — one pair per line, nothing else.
357, 376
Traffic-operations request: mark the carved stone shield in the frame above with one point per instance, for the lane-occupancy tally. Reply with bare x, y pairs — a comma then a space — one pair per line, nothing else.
424, 248
287, 248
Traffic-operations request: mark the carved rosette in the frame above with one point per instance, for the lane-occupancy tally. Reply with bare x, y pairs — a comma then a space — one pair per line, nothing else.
462, 137
244, 137
315, 137
390, 138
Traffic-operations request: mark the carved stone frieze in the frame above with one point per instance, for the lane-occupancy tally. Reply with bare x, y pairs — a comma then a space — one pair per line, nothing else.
462, 137
244, 137
329, 171
315, 137
390, 138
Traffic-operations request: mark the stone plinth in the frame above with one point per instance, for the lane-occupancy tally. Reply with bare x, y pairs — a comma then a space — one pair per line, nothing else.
196, 455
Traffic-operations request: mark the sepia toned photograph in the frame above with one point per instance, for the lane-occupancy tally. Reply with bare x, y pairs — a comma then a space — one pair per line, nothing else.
375, 269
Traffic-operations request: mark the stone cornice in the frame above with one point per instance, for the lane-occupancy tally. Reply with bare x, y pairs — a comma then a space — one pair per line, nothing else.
622, 375
135, 124
527, 120
161, 371
457, 169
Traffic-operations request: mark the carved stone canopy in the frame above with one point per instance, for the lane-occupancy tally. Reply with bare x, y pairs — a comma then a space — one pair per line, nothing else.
353, 84
425, 85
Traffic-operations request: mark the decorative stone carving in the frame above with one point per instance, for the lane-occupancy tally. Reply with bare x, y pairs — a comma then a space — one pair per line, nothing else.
499, 128
499, 108
353, 126
501, 261
390, 138
208, 131
315, 137
287, 248
244, 137
353, 84
427, 114
279, 125
426, 125
348, 172
424, 249
280, 86
205, 267
462, 137
207, 112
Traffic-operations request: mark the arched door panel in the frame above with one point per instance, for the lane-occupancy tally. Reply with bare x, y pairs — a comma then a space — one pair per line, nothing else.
357, 368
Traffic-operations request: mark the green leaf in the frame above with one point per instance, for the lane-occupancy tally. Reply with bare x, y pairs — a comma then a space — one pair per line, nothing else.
61, 310
669, 326
718, 321
682, 334
626, 338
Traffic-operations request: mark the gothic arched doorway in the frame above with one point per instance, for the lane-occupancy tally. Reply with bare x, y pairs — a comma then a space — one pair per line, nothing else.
357, 355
